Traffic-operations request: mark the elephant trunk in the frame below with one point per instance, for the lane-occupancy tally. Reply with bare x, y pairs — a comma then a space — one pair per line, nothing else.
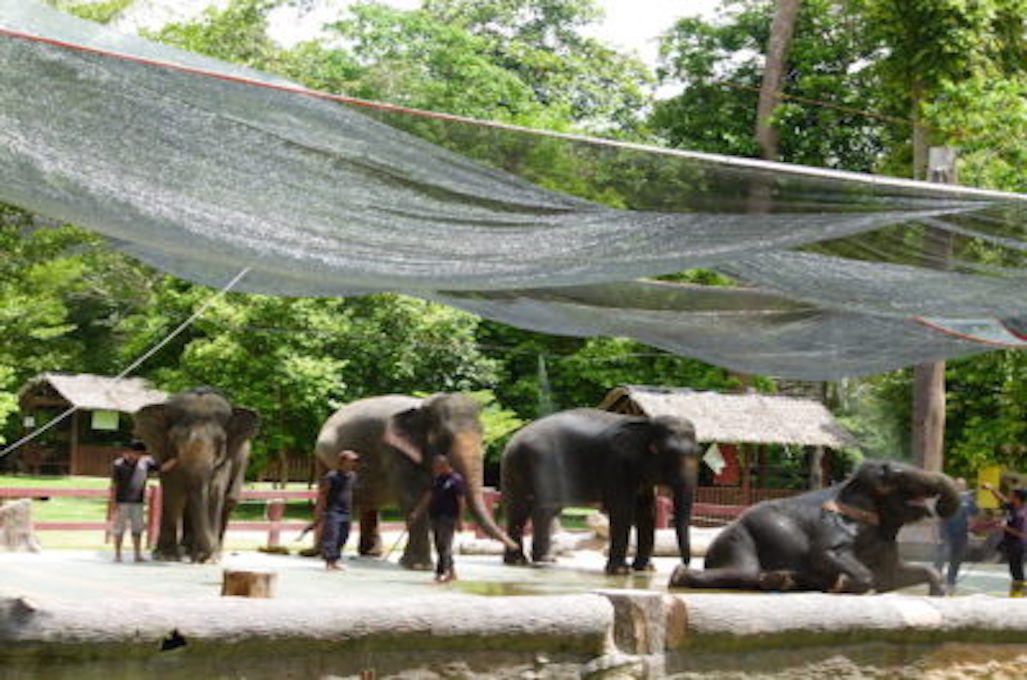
466, 457
682, 494
948, 495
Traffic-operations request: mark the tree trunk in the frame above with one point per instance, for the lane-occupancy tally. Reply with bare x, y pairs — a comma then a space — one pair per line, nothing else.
929, 379
781, 31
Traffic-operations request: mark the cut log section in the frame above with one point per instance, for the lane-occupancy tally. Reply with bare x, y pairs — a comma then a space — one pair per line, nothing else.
240, 583
16, 532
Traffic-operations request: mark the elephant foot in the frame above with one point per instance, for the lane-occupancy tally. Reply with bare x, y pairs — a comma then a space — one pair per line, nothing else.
371, 552
776, 580
846, 584
643, 566
165, 555
544, 559
515, 558
617, 569
681, 577
415, 564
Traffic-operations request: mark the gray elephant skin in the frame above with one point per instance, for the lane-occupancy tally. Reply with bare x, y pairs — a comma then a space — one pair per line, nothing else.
396, 437
210, 440
584, 456
840, 539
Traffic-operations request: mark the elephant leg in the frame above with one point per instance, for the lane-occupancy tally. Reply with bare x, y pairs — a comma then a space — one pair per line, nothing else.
621, 520
645, 531
370, 537
732, 562
172, 507
197, 511
517, 513
542, 533
417, 554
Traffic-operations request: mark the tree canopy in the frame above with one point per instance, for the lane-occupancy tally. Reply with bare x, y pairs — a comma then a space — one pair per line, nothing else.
860, 77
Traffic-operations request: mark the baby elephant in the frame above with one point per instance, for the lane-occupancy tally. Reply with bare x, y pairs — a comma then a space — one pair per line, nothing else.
839, 540
586, 455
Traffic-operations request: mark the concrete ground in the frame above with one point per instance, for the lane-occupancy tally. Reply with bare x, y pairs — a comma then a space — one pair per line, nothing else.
92, 574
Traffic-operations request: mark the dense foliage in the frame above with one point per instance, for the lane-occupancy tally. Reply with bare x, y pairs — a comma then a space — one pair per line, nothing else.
858, 72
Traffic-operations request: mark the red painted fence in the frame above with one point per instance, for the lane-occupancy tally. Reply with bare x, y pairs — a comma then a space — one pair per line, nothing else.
275, 512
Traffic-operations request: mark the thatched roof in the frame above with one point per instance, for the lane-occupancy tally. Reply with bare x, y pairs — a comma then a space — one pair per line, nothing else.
739, 418
95, 392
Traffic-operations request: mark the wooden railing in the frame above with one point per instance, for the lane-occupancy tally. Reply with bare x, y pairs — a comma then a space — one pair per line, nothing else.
275, 523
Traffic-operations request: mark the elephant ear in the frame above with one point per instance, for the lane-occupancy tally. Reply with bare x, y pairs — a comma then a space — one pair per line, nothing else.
406, 432
151, 424
242, 425
634, 434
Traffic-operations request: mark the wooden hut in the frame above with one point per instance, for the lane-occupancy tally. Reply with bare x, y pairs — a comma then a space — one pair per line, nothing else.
94, 435
756, 446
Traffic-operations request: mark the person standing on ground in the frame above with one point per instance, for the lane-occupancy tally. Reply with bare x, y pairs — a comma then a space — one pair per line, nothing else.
337, 507
128, 493
445, 502
953, 534
1014, 538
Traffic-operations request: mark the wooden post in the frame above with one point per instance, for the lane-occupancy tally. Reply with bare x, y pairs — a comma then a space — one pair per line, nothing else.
73, 462
743, 450
240, 583
275, 513
816, 467
929, 379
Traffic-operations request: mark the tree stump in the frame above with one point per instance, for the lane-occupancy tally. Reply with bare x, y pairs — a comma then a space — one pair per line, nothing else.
248, 583
16, 531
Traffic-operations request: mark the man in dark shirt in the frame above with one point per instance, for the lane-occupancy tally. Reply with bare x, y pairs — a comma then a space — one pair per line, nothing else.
445, 508
128, 493
337, 501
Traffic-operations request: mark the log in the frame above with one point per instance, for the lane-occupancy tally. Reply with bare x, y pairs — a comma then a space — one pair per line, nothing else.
240, 583
16, 532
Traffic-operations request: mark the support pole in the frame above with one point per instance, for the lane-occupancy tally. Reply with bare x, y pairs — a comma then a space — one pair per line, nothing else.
929, 378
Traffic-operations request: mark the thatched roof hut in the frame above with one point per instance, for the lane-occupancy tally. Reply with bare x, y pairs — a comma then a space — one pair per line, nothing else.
95, 434
739, 418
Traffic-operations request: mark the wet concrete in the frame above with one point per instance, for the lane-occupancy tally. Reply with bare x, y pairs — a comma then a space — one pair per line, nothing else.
67, 607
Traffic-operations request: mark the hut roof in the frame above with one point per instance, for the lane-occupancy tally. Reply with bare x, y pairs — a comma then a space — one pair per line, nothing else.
748, 418
97, 392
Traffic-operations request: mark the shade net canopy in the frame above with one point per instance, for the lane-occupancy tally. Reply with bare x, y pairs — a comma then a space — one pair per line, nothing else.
202, 168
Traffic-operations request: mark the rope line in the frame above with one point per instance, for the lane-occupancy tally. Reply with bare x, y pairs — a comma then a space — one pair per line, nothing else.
132, 366
945, 190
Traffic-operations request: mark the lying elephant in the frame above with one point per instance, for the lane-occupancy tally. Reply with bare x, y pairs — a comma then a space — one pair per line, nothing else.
396, 437
839, 540
210, 440
586, 455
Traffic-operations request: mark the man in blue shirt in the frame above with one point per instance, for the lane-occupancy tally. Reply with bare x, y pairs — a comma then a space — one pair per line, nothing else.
337, 503
953, 534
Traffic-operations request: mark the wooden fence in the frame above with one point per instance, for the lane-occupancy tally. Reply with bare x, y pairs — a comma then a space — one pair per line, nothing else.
704, 512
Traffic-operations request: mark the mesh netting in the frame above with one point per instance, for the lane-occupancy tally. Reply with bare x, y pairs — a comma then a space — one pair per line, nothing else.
201, 168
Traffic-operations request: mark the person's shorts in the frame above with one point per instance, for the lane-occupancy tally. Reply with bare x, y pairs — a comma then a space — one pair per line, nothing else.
129, 514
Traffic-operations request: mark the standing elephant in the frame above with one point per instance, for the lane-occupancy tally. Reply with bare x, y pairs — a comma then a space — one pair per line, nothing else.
210, 442
840, 539
587, 455
397, 436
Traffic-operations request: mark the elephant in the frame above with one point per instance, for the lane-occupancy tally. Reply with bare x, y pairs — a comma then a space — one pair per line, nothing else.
586, 455
396, 437
210, 442
840, 539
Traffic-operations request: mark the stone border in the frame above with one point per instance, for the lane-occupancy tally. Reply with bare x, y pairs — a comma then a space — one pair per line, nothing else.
623, 633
